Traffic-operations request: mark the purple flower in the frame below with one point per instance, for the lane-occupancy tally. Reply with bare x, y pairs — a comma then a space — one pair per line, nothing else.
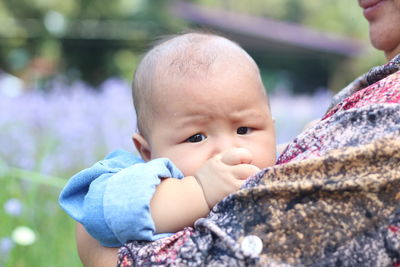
289, 122
73, 125
66, 129
13, 207
6, 245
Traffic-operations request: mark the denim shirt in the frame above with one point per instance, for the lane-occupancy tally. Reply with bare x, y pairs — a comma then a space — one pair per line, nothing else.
112, 198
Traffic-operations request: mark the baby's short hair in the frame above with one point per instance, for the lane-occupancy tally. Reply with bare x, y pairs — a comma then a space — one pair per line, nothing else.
181, 54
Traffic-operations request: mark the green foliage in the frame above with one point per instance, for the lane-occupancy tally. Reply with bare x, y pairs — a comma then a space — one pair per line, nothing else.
339, 16
54, 230
89, 36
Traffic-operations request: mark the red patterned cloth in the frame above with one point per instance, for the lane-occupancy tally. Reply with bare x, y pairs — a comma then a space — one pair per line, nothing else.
383, 91
158, 251
313, 143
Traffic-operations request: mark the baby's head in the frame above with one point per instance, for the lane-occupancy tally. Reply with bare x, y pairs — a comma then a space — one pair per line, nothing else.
197, 95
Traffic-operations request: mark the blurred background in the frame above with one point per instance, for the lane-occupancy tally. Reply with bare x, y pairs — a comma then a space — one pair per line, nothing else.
65, 74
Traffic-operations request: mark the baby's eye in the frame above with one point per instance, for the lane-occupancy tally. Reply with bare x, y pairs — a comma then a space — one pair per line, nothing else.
196, 138
243, 130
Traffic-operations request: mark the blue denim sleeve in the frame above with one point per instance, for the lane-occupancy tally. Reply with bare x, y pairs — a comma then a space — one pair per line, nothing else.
86, 197
127, 199
75, 198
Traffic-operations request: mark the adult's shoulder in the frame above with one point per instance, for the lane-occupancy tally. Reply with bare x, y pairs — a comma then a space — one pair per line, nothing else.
373, 76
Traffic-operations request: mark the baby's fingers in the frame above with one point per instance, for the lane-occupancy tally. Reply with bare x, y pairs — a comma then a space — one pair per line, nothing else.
243, 171
236, 156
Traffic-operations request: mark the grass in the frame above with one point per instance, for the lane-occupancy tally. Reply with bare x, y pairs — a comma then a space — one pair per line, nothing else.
38, 194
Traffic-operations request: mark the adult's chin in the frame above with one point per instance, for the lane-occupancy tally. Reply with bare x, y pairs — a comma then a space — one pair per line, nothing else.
382, 38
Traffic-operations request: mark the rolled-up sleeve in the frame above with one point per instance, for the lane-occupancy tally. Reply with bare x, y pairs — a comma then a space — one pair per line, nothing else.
127, 197
112, 198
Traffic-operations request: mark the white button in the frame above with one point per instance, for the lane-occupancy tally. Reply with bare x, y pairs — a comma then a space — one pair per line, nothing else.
252, 245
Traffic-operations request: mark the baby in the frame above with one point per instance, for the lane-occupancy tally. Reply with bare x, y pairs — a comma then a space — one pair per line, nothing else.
203, 118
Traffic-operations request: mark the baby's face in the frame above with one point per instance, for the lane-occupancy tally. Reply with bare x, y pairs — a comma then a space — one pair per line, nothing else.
196, 119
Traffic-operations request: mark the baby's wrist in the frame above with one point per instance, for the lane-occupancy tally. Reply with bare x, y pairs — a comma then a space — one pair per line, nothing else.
201, 192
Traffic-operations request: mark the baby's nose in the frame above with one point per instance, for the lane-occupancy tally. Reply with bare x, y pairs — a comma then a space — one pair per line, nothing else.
224, 144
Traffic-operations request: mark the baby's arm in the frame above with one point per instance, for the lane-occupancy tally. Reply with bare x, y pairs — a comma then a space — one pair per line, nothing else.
179, 203
91, 252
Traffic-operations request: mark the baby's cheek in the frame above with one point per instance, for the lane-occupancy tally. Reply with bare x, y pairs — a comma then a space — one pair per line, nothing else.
194, 165
187, 166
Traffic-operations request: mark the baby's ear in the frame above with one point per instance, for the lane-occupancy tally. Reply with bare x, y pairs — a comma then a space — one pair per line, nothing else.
142, 146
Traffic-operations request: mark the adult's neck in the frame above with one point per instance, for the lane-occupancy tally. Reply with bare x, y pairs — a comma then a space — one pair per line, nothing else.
391, 54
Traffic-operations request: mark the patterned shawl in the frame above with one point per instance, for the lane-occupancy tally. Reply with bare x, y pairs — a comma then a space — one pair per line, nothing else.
332, 199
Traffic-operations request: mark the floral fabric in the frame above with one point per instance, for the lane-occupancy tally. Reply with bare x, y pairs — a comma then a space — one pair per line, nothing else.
332, 199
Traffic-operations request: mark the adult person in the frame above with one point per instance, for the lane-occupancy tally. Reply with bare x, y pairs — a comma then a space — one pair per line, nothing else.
334, 200
384, 20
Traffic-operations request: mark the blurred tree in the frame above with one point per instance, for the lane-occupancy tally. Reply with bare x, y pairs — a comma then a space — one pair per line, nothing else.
341, 17
97, 39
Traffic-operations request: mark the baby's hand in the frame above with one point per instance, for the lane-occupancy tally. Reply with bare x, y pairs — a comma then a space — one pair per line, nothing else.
225, 173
